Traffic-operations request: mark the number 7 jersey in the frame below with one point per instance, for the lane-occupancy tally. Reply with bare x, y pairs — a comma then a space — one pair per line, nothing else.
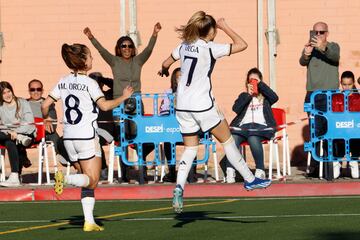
79, 95
197, 60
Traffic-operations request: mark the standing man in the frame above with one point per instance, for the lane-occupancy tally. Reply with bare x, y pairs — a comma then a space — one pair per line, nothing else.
322, 61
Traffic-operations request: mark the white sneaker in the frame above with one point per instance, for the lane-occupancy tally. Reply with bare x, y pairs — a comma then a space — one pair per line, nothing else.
259, 173
23, 140
12, 181
230, 175
336, 169
354, 167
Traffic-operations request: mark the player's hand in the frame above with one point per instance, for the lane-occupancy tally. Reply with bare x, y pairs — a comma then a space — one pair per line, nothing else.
48, 125
164, 71
128, 91
221, 24
88, 33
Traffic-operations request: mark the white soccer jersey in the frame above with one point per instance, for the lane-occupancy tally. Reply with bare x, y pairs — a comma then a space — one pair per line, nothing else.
78, 95
197, 61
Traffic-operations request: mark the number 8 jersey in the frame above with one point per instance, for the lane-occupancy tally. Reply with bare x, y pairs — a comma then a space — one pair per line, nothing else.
79, 95
197, 60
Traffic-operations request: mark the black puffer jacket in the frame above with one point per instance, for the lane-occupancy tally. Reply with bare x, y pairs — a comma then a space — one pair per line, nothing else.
242, 102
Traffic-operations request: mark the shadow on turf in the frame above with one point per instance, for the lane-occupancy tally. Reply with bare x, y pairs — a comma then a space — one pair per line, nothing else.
75, 222
337, 236
190, 217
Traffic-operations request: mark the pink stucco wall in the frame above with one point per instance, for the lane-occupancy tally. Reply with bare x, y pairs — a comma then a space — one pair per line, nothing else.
35, 30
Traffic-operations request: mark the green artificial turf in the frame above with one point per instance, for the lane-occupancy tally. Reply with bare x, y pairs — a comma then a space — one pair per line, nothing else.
323, 218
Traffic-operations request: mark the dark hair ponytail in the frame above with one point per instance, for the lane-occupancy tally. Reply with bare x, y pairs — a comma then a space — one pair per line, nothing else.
75, 56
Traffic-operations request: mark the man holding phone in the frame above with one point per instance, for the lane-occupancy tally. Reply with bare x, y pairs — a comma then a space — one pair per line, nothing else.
322, 61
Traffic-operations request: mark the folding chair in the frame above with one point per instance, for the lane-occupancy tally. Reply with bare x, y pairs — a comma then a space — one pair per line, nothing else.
280, 118
41, 144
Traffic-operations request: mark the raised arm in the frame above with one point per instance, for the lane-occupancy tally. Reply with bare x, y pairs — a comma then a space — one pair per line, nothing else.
238, 43
107, 105
105, 54
145, 54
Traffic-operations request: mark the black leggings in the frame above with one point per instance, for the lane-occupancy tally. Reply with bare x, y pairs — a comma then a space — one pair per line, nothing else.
13, 151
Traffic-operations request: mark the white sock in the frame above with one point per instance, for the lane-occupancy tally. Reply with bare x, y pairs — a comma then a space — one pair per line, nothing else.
235, 158
88, 204
79, 180
186, 161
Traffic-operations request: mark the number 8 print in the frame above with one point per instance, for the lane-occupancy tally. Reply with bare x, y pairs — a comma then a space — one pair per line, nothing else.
72, 108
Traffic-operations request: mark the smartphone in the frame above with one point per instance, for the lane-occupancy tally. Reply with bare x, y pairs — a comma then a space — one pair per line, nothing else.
312, 34
254, 83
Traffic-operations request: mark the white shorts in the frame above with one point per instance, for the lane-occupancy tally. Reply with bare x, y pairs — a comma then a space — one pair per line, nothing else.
79, 150
192, 122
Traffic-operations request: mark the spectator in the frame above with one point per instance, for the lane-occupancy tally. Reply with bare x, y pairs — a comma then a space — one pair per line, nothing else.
256, 120
36, 90
14, 110
165, 110
321, 58
347, 82
105, 120
126, 67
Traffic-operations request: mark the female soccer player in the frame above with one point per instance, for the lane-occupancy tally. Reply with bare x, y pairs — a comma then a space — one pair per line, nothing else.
195, 105
80, 95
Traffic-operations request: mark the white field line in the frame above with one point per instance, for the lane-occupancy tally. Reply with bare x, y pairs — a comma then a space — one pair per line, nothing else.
206, 218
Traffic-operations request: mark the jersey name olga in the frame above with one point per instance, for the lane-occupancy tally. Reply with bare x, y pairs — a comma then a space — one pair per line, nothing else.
191, 48
73, 86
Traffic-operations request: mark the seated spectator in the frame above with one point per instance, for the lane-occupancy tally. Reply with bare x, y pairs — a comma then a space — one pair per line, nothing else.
255, 119
165, 110
17, 131
35, 88
347, 82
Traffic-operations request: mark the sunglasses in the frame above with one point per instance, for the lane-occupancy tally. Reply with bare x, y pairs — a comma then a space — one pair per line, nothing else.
127, 46
320, 32
36, 89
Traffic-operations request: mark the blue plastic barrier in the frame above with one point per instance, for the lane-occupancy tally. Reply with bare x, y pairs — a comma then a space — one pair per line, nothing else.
155, 129
340, 126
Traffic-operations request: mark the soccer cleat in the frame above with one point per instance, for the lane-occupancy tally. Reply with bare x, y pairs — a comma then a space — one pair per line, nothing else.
92, 227
257, 183
178, 199
59, 183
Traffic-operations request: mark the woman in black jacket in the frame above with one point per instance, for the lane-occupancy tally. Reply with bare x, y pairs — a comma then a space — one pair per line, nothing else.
254, 121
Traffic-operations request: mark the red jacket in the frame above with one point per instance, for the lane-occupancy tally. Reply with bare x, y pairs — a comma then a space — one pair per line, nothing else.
338, 102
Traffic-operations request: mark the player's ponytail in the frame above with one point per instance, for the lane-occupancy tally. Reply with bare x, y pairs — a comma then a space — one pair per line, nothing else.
198, 26
75, 56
